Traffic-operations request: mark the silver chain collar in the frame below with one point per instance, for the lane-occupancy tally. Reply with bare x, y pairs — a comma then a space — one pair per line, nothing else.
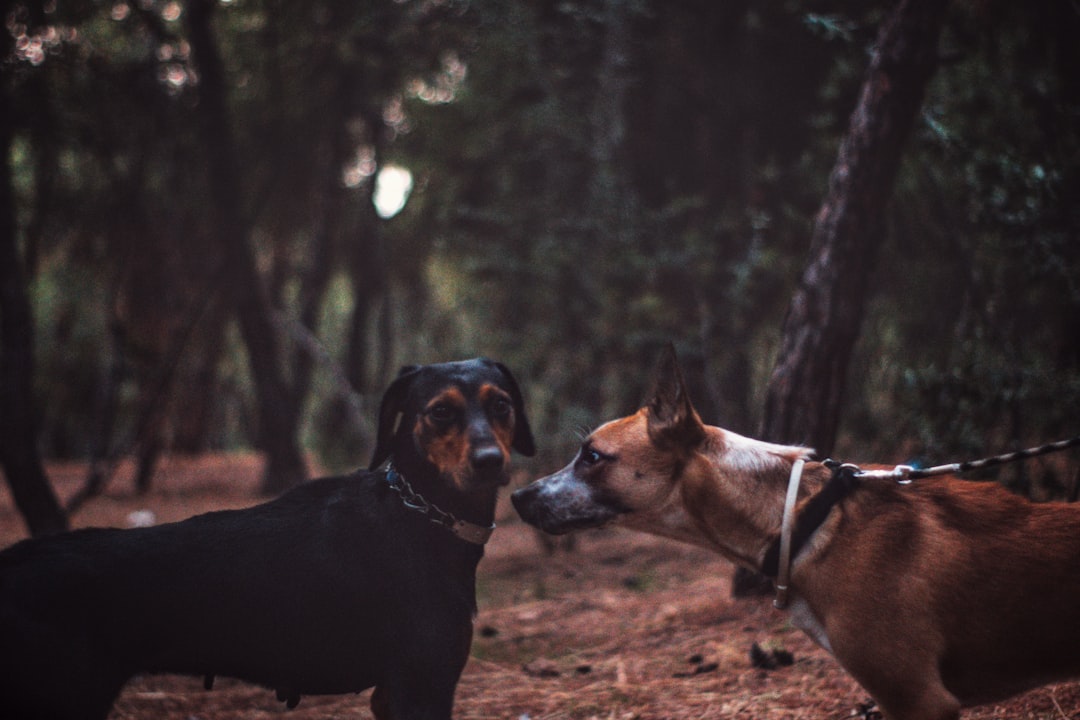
467, 531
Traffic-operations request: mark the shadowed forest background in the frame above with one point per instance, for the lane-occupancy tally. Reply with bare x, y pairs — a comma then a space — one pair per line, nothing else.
193, 258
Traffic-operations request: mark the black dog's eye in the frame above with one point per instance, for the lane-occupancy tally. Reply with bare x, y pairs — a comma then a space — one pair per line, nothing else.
501, 407
442, 413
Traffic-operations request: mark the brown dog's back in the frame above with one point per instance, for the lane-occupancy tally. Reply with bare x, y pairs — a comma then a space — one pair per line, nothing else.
987, 580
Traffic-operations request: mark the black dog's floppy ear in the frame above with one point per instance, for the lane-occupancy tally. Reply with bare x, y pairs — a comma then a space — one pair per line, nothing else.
390, 410
523, 438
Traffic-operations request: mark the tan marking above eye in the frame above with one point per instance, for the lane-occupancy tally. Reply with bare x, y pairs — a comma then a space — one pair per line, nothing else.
501, 422
493, 395
445, 406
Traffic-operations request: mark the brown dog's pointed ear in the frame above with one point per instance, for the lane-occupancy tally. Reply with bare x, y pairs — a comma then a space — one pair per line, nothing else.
673, 423
393, 402
523, 438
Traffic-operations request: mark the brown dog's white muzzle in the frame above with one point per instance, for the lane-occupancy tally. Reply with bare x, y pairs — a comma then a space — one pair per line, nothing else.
561, 503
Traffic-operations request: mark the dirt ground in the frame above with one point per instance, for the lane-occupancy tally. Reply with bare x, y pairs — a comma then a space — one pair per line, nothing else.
624, 626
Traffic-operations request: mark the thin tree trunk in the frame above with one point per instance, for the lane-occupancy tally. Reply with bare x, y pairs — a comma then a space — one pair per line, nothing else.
19, 455
806, 389
278, 410
327, 221
365, 258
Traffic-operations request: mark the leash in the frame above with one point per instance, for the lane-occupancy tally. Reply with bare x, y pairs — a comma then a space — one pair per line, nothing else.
467, 531
904, 474
795, 531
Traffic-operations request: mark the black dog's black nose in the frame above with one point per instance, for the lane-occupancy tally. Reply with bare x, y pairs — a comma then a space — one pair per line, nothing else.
487, 457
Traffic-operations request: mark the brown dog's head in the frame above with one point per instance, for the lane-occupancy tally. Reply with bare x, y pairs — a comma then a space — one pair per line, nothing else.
646, 469
460, 418
625, 467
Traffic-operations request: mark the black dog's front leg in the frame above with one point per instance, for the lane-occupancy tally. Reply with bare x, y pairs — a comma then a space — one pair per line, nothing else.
290, 697
413, 700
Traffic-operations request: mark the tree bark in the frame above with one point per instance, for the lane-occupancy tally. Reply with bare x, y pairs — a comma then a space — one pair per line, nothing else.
366, 265
19, 454
806, 390
278, 410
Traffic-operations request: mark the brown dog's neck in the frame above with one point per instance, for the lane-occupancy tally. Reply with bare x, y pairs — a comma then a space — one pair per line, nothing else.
735, 493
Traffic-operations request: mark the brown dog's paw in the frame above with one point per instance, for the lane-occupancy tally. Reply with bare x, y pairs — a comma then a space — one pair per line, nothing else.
867, 711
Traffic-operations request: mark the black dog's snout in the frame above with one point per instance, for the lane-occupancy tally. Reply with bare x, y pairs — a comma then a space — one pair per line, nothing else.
487, 457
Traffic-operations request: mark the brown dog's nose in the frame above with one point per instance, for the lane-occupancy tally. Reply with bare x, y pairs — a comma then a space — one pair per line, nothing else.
522, 500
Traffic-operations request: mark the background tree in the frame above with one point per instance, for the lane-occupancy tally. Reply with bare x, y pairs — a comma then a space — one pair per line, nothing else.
805, 394
19, 456
590, 179
278, 415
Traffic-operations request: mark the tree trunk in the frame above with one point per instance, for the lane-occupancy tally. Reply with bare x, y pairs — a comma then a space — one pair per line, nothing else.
19, 455
806, 389
366, 265
278, 411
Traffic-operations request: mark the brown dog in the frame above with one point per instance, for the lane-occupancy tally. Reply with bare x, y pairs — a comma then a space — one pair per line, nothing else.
934, 595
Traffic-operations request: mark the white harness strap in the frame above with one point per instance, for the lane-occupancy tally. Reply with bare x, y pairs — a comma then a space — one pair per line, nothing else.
787, 525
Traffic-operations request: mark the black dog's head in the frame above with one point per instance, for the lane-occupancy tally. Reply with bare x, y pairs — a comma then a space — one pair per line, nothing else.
463, 418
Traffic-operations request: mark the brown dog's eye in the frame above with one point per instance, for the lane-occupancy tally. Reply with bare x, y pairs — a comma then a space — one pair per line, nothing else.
591, 457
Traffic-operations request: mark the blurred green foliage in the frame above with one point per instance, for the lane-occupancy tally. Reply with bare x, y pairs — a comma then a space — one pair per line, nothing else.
592, 178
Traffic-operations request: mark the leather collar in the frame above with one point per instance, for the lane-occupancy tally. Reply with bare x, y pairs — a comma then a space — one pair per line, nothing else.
813, 514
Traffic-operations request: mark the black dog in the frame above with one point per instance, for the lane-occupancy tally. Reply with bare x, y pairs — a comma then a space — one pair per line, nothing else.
337, 586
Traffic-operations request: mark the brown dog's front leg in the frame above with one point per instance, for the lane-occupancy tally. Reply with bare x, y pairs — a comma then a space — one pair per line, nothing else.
925, 708
915, 698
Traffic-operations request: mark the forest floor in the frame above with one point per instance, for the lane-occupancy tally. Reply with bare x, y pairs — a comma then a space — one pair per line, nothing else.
622, 626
